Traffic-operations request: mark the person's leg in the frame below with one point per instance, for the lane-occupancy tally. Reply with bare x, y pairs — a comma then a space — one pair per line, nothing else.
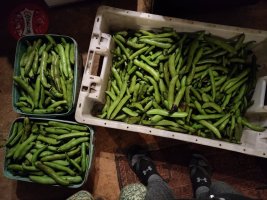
223, 190
202, 192
203, 188
200, 173
158, 189
219, 187
145, 169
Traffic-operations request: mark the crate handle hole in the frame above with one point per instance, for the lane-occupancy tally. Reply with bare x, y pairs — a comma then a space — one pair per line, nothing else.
95, 35
97, 64
91, 55
84, 88
80, 105
102, 39
97, 19
92, 88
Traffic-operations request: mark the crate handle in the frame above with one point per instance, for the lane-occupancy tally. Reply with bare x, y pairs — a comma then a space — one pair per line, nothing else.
259, 97
97, 67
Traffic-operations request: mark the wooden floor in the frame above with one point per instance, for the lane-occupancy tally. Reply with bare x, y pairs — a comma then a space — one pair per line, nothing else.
77, 20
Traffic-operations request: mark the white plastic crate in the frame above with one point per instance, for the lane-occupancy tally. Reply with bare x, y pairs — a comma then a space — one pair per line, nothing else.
92, 91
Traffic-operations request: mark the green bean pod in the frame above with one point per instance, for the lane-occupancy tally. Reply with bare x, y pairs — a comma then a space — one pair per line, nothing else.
67, 126
43, 66
60, 168
63, 60
19, 153
21, 83
171, 91
130, 112
50, 172
118, 99
179, 97
37, 92
61, 156
156, 90
83, 155
36, 154
28, 65
119, 106
13, 133
72, 143
211, 127
204, 117
220, 43
252, 126
147, 68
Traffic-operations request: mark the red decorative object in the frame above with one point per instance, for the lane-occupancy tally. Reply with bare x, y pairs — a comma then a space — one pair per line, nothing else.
27, 19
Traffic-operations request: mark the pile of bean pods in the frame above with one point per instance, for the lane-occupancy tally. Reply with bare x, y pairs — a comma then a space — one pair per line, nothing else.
48, 152
193, 83
45, 80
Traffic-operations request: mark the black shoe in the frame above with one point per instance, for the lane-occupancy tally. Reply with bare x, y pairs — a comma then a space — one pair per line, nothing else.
140, 163
200, 172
